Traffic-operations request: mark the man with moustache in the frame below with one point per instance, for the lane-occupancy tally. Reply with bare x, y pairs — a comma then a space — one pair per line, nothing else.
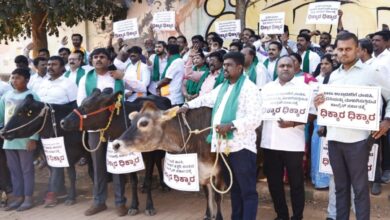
325, 40
348, 148
274, 50
75, 71
235, 117
77, 40
36, 80
64, 54
310, 59
157, 63
211, 79
100, 77
56, 90
254, 69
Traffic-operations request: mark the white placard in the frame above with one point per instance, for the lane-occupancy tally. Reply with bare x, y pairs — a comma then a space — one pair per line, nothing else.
325, 166
118, 163
228, 29
287, 103
126, 29
164, 21
355, 107
54, 149
272, 23
323, 13
181, 171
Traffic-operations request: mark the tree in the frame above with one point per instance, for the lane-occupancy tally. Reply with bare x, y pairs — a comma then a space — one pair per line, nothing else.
241, 7
37, 18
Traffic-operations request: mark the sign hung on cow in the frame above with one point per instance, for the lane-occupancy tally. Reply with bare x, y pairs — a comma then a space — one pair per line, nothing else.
164, 21
325, 166
181, 171
228, 29
323, 13
118, 163
55, 153
272, 23
287, 103
355, 107
126, 29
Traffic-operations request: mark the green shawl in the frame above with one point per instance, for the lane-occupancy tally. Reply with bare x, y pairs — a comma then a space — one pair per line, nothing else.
192, 87
91, 83
169, 62
306, 62
80, 73
220, 78
251, 73
266, 63
229, 113
156, 69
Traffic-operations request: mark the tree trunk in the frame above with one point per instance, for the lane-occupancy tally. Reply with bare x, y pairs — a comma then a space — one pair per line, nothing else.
38, 31
241, 11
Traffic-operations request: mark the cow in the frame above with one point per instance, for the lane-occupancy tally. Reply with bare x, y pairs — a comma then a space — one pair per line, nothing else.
155, 129
33, 116
101, 100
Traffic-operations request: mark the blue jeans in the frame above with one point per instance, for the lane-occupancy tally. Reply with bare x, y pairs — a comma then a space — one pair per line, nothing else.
244, 197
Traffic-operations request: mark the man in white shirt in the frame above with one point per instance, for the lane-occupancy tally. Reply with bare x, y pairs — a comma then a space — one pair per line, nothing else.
274, 50
101, 78
64, 54
75, 71
172, 77
310, 59
36, 79
235, 117
254, 69
348, 149
283, 144
137, 75
157, 63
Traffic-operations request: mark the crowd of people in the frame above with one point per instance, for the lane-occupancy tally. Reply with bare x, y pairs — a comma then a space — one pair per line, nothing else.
202, 72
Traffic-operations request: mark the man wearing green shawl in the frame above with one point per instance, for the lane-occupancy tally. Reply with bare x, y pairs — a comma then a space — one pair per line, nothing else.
235, 117
310, 58
75, 72
212, 78
157, 63
274, 50
100, 77
254, 69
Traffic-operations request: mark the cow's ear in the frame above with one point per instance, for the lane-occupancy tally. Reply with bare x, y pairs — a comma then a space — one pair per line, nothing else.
169, 114
132, 115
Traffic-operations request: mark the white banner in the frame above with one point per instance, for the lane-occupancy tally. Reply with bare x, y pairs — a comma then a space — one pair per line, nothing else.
126, 29
181, 171
117, 163
325, 166
164, 21
355, 107
228, 29
323, 13
272, 23
287, 103
54, 149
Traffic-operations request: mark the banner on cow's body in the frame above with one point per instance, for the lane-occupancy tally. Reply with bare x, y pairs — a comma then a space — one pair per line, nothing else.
118, 163
126, 29
323, 13
287, 103
325, 166
355, 107
55, 152
228, 29
164, 21
181, 171
272, 23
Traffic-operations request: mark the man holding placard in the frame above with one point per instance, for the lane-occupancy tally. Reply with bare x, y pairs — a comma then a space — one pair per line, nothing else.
348, 147
283, 141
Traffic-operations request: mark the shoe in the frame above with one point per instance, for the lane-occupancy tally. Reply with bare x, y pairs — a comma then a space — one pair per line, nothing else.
95, 209
27, 204
13, 205
386, 176
376, 189
121, 210
50, 200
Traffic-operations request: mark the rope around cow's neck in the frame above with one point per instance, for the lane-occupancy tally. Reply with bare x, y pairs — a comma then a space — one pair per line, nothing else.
218, 152
118, 104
